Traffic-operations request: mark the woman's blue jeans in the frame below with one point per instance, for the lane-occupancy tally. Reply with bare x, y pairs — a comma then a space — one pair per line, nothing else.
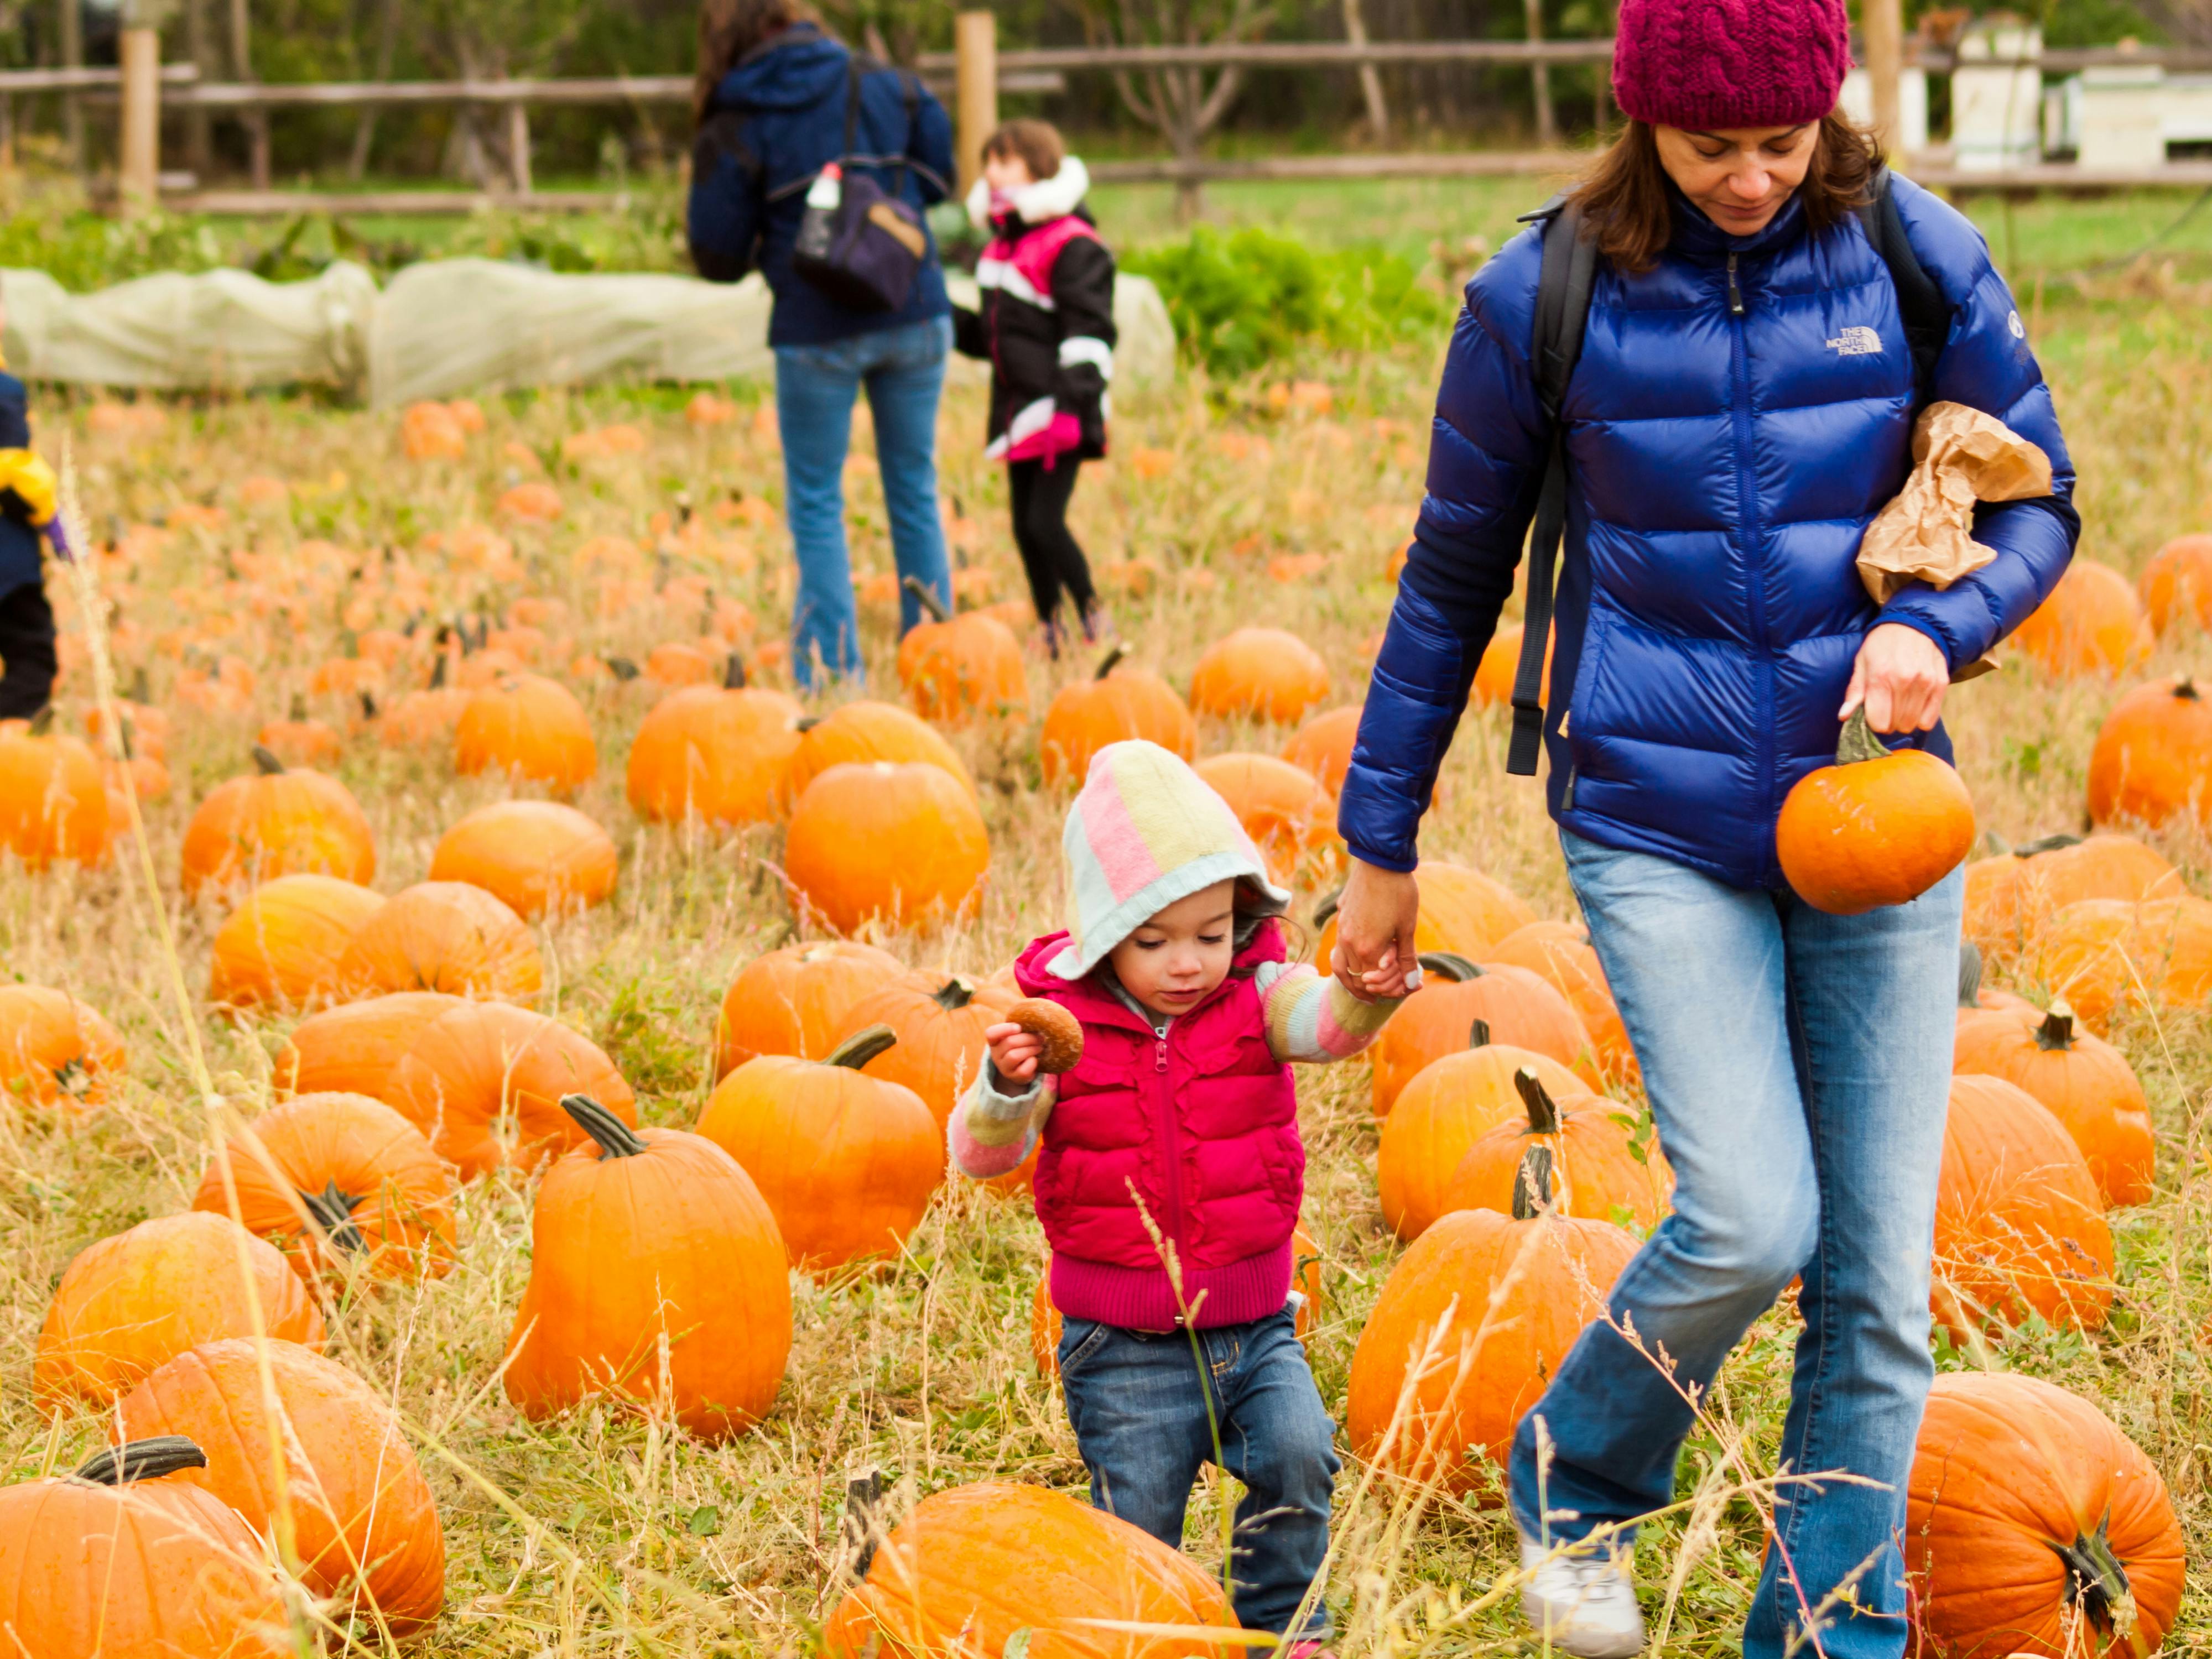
902, 370
1140, 1409
1799, 1067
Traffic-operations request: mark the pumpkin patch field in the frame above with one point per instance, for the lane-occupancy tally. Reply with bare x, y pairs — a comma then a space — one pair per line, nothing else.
476, 1040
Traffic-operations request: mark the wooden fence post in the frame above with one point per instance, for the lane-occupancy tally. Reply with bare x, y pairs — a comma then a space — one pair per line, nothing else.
518, 147
1883, 21
1547, 126
140, 156
975, 51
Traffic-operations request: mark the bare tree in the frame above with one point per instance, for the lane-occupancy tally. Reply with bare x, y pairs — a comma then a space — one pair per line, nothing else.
1182, 104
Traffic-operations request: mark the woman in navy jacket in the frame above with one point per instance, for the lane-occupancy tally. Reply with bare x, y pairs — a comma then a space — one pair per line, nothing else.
1742, 407
771, 108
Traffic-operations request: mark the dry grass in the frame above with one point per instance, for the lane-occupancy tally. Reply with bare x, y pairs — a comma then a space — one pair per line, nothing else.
604, 1533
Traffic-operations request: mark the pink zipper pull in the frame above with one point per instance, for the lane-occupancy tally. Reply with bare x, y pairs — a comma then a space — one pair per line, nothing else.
1160, 1056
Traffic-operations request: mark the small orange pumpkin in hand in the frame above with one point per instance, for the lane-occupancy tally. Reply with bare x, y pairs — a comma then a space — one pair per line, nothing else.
1881, 826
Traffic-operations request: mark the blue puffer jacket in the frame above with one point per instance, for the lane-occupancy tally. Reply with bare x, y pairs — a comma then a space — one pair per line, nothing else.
1721, 471
774, 122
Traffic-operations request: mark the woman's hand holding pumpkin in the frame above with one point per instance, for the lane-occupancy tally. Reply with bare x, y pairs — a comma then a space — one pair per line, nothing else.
1015, 1052
1901, 676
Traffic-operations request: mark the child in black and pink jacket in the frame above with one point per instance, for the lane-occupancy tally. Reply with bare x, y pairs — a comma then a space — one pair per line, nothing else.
1047, 325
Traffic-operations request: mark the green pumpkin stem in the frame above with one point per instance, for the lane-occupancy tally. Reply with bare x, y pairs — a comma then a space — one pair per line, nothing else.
2055, 1033
2186, 689
333, 1212
1478, 1033
925, 597
863, 1046
954, 994
266, 763
616, 1138
2096, 1582
733, 673
2057, 843
1531, 1184
140, 1460
1858, 742
43, 722
438, 672
1327, 907
1969, 974
1543, 1110
141, 685
623, 669
299, 707
1112, 660
1448, 965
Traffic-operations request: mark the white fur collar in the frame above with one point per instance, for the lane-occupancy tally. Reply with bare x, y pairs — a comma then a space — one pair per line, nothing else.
1037, 203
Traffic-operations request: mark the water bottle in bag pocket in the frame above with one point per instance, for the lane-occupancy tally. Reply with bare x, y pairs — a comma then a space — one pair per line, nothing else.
858, 243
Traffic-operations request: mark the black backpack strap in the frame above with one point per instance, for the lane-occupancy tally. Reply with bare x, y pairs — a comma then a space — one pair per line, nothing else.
852, 73
1921, 305
1563, 297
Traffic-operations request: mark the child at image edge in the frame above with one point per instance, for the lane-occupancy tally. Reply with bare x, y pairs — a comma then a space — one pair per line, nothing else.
1172, 960
1047, 325
28, 492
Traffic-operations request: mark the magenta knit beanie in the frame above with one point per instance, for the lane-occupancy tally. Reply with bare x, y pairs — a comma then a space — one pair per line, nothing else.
1713, 64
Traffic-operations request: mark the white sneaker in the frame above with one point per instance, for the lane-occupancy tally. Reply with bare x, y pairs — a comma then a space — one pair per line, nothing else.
1582, 1604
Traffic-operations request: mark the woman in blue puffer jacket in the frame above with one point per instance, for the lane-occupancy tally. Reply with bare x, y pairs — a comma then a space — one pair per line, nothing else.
771, 107
1742, 407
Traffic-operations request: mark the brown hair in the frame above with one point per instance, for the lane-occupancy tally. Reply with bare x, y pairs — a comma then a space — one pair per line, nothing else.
1038, 144
728, 30
1625, 201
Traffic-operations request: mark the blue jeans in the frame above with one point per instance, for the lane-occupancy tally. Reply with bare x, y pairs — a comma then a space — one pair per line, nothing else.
903, 371
1798, 1066
1140, 1409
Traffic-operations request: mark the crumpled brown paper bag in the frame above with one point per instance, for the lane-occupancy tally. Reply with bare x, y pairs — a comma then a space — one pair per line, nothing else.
1960, 456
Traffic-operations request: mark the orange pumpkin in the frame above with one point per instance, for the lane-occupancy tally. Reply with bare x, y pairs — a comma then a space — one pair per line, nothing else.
656, 1274
429, 431
132, 1302
940, 1021
1289, 817
2176, 585
123, 1558
2104, 955
338, 1182
1323, 745
1560, 953
1495, 1002
2091, 623
1258, 673
425, 719
797, 1000
720, 754
2087, 1084
1879, 827
847, 1163
281, 948
2019, 1228
279, 822
864, 732
1472, 1323
1116, 704
302, 740
2010, 896
2034, 1528
1449, 1104
444, 936
357, 1047
902, 845
53, 804
1462, 911
972, 1567
2152, 761
1501, 661
527, 726
1603, 1170
55, 1050
955, 668
363, 1525
535, 857
484, 1080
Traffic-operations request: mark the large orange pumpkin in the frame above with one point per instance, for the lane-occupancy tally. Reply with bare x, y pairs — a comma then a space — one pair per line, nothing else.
865, 731
534, 856
55, 1050
1115, 704
656, 1273
2010, 896
2085, 1083
446, 936
1462, 911
135, 1300
123, 1557
847, 1163
955, 668
1508, 1005
971, 1568
1560, 953
2033, 1527
279, 822
1471, 1324
1501, 662
2104, 955
1879, 827
1602, 1171
2019, 1228
721, 755
2152, 761
2176, 585
364, 1526
2091, 623
484, 1081
281, 948
1440, 1114
940, 1021
1291, 818
340, 1183
527, 726
53, 804
356, 1048
902, 845
797, 1000
1323, 745
1258, 673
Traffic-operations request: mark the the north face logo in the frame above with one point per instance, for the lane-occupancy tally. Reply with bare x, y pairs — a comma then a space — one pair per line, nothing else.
1858, 341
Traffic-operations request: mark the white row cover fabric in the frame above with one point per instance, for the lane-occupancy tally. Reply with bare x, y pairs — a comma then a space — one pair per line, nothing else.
440, 329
